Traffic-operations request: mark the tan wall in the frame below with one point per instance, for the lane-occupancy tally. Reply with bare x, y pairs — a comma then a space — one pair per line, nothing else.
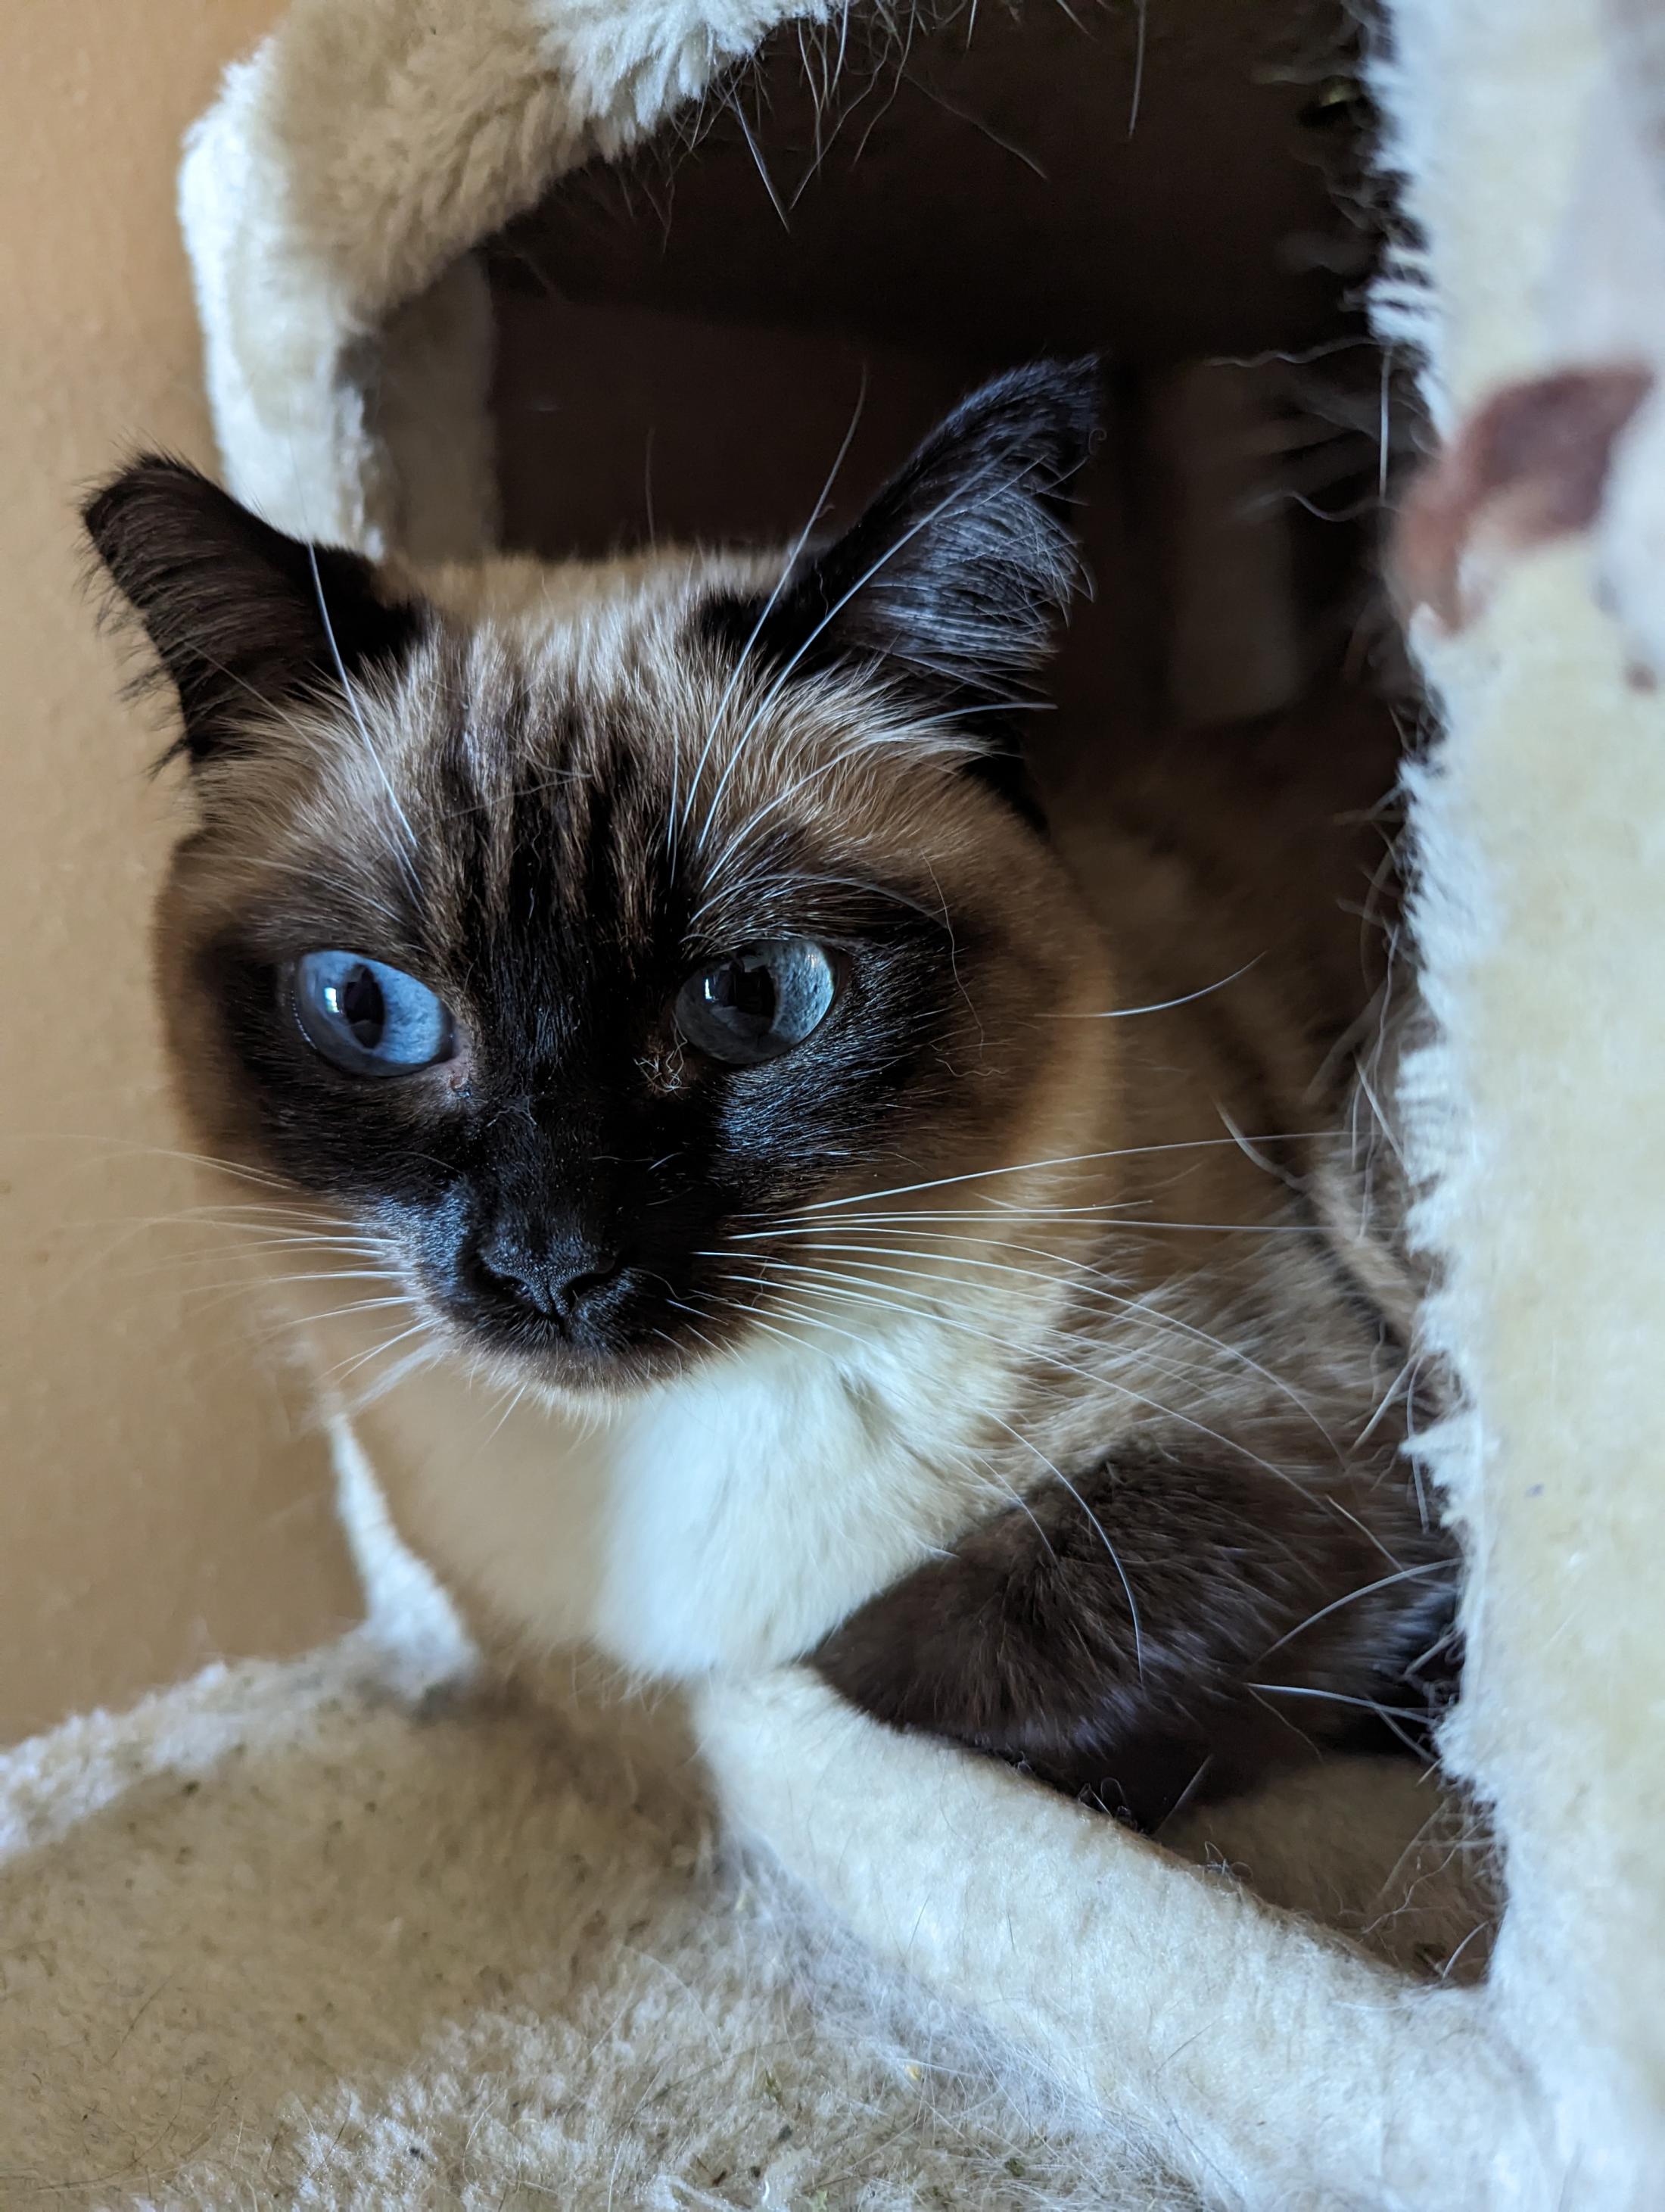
160, 1498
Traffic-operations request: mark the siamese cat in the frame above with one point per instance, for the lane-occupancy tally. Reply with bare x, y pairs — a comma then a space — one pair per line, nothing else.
755, 1201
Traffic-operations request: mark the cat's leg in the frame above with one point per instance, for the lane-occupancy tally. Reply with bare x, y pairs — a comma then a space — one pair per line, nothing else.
1159, 1628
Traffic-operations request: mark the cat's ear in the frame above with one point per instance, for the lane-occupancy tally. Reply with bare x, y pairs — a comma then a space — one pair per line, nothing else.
957, 576
242, 619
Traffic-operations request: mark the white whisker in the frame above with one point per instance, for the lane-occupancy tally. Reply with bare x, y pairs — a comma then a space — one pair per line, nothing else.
1388, 1713
846, 1287
380, 765
1163, 1005
885, 1296
1099, 1290
1387, 1582
343, 1369
922, 523
676, 825
1063, 1160
258, 1281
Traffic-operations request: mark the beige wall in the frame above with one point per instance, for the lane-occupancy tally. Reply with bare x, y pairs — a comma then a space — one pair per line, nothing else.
160, 1498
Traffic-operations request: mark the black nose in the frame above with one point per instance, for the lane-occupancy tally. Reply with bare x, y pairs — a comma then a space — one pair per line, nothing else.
555, 1280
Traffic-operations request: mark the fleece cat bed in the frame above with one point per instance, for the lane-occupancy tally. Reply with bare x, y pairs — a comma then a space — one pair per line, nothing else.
314, 1934
330, 1934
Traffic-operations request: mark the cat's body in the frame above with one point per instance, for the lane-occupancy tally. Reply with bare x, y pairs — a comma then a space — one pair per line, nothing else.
905, 1297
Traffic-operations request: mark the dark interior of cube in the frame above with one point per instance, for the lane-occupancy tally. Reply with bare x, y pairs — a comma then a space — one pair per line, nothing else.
871, 217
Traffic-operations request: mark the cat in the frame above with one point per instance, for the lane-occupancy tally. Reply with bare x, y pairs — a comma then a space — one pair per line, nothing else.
812, 1227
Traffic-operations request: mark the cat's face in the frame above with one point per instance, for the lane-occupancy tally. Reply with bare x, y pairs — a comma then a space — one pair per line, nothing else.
591, 944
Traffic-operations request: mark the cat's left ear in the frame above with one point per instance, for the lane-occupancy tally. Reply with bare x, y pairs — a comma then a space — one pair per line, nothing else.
955, 579
243, 620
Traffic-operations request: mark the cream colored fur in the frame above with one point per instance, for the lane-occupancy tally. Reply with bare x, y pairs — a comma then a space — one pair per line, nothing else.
729, 1521
345, 170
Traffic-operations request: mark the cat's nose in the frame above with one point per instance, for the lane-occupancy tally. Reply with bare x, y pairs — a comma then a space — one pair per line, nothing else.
555, 1279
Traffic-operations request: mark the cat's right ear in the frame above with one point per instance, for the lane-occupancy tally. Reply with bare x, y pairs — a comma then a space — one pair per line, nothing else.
243, 620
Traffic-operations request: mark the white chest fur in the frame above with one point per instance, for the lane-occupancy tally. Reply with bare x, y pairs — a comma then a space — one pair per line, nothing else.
727, 1521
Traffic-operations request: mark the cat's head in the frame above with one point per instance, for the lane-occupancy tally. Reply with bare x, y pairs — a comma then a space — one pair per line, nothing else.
587, 938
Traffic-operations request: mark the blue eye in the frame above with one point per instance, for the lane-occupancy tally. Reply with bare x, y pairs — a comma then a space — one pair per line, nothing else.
368, 1018
756, 1004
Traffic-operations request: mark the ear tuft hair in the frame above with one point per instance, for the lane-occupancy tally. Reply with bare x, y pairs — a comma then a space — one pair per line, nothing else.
956, 579
242, 619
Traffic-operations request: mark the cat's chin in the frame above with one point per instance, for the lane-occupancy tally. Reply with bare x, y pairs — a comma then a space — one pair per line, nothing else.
596, 1380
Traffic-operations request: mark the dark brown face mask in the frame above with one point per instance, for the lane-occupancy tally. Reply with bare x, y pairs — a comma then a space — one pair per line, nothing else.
599, 990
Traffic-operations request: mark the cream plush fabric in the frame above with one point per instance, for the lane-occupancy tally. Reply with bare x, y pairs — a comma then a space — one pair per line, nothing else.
535, 1998
340, 1934
269, 1939
329, 200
